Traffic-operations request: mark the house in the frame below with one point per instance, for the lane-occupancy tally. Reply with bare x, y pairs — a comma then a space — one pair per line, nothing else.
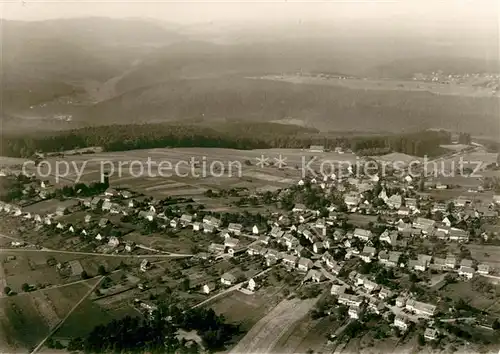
393, 260
272, 256
400, 301
385, 293
438, 264
235, 228
145, 265
394, 201
299, 208
431, 333
290, 261
110, 192
59, 226
483, 269
186, 219
375, 305
423, 223
411, 203
362, 234
197, 226
351, 200
252, 285
106, 205
99, 237
231, 242
316, 148
350, 300
37, 218
304, 264
129, 246
369, 285
403, 211
401, 322
255, 249
71, 228
337, 289
467, 272
212, 221
87, 218
174, 223
228, 279
103, 222
458, 235
95, 202
308, 235
276, 232
316, 275
147, 214
354, 312
208, 288
318, 247
126, 194
368, 253
420, 308
389, 237
450, 262
264, 239
208, 229
255, 230
47, 220
113, 241
466, 263
216, 248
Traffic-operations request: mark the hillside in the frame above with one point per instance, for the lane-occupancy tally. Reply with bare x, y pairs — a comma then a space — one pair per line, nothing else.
323, 107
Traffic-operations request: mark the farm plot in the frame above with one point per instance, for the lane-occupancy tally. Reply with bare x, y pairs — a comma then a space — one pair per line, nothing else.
264, 336
21, 322
247, 309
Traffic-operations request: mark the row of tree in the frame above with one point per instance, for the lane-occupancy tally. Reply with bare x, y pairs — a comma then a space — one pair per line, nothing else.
229, 135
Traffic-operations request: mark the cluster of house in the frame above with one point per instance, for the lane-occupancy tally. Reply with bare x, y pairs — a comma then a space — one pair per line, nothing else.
362, 295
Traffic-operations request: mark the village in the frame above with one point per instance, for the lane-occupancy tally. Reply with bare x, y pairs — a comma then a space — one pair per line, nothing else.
364, 247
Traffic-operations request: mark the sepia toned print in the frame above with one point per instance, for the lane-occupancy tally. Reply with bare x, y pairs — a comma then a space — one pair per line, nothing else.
250, 177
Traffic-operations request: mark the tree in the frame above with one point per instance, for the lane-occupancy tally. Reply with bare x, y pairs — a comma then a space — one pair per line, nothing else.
84, 275
25, 287
7, 290
185, 284
421, 339
101, 270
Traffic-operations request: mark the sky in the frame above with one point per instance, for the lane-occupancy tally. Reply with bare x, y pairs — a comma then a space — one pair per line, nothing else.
466, 13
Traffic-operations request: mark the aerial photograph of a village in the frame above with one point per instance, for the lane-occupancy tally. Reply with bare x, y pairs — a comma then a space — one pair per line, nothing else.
238, 177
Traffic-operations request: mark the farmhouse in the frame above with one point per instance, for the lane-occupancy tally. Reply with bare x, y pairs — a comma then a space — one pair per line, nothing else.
401, 322
235, 228
420, 308
350, 300
290, 261
362, 234
228, 279
216, 248
76, 268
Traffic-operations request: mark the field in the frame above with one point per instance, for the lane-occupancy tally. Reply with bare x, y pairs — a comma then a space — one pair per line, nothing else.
27, 318
264, 336
387, 85
247, 309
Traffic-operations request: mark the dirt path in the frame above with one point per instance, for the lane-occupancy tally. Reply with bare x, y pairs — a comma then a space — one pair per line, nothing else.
264, 336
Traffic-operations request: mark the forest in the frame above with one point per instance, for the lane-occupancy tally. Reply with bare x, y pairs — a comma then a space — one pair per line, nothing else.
158, 333
228, 135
